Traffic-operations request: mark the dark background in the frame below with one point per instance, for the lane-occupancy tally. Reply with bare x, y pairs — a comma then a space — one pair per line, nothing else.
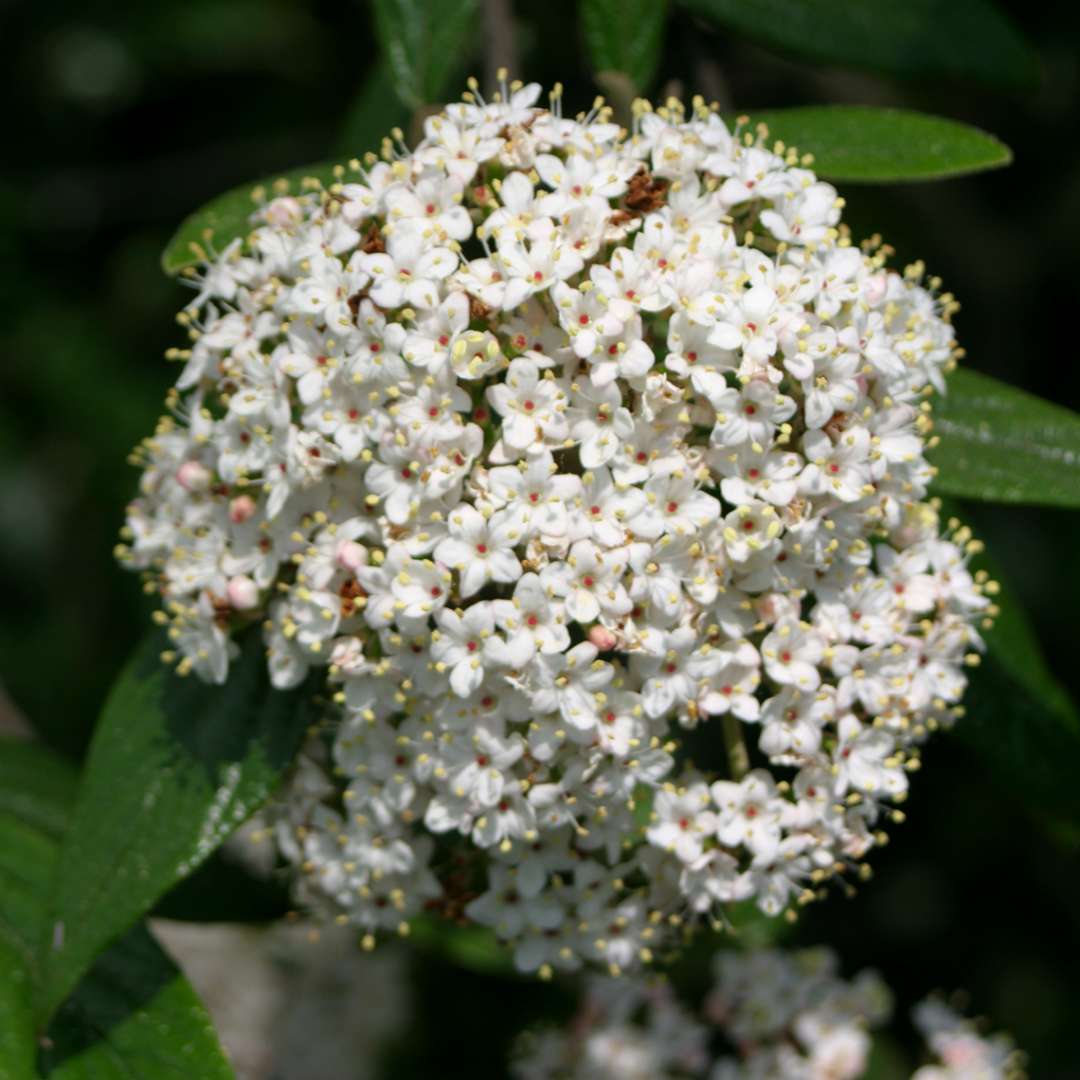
122, 117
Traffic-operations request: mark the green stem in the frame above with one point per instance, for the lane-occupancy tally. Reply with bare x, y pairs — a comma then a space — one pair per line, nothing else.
735, 745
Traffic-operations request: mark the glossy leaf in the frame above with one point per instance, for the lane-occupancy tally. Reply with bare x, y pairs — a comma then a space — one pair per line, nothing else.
36, 792
1004, 445
859, 142
966, 39
423, 41
625, 36
228, 216
18, 1045
134, 1014
175, 766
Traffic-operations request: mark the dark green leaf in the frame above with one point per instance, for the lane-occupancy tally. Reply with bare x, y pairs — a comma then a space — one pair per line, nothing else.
859, 142
222, 890
228, 216
134, 1014
1004, 445
1018, 718
967, 39
18, 1047
175, 766
423, 41
625, 36
374, 113
36, 792
36, 785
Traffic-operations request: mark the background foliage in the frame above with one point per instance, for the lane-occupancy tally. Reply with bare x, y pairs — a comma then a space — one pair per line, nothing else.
131, 115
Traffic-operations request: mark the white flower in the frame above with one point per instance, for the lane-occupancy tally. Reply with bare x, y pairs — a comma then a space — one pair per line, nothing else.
749, 812
481, 549
459, 643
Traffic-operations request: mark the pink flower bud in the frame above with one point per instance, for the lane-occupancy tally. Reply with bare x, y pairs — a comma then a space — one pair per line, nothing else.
350, 555
193, 476
875, 289
602, 638
241, 508
284, 212
242, 592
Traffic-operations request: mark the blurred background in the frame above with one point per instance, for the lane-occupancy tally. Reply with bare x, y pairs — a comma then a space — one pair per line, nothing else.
125, 116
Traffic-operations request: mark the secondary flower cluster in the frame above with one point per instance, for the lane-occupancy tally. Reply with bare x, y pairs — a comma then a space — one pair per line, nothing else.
550, 443
769, 1015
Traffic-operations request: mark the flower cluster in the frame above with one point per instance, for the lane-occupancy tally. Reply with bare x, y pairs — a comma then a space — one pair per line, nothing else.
567, 453
770, 1014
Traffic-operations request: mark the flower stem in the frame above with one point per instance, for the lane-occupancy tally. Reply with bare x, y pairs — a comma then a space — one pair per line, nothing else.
735, 745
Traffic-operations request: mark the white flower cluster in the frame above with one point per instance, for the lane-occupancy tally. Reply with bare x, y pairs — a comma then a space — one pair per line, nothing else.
549, 442
783, 1016
960, 1051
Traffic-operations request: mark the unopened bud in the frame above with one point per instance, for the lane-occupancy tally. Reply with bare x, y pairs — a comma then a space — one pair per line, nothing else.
193, 476
285, 212
602, 638
875, 288
242, 592
350, 555
241, 508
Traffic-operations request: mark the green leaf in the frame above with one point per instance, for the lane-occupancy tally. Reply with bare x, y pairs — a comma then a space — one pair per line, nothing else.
18, 1047
859, 142
1018, 718
423, 40
966, 39
373, 114
134, 1015
175, 766
625, 36
222, 890
1004, 445
228, 216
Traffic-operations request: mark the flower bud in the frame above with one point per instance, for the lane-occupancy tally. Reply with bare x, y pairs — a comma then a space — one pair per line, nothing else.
284, 212
350, 555
875, 288
241, 509
242, 592
603, 638
193, 476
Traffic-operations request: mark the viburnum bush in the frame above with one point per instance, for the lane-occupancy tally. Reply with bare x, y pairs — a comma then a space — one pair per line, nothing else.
549, 540
571, 456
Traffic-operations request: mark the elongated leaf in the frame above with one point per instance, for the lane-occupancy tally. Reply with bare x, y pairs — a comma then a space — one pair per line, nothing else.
134, 1015
625, 36
968, 39
372, 115
1004, 445
228, 216
175, 766
36, 793
1018, 718
859, 142
18, 1047
423, 40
